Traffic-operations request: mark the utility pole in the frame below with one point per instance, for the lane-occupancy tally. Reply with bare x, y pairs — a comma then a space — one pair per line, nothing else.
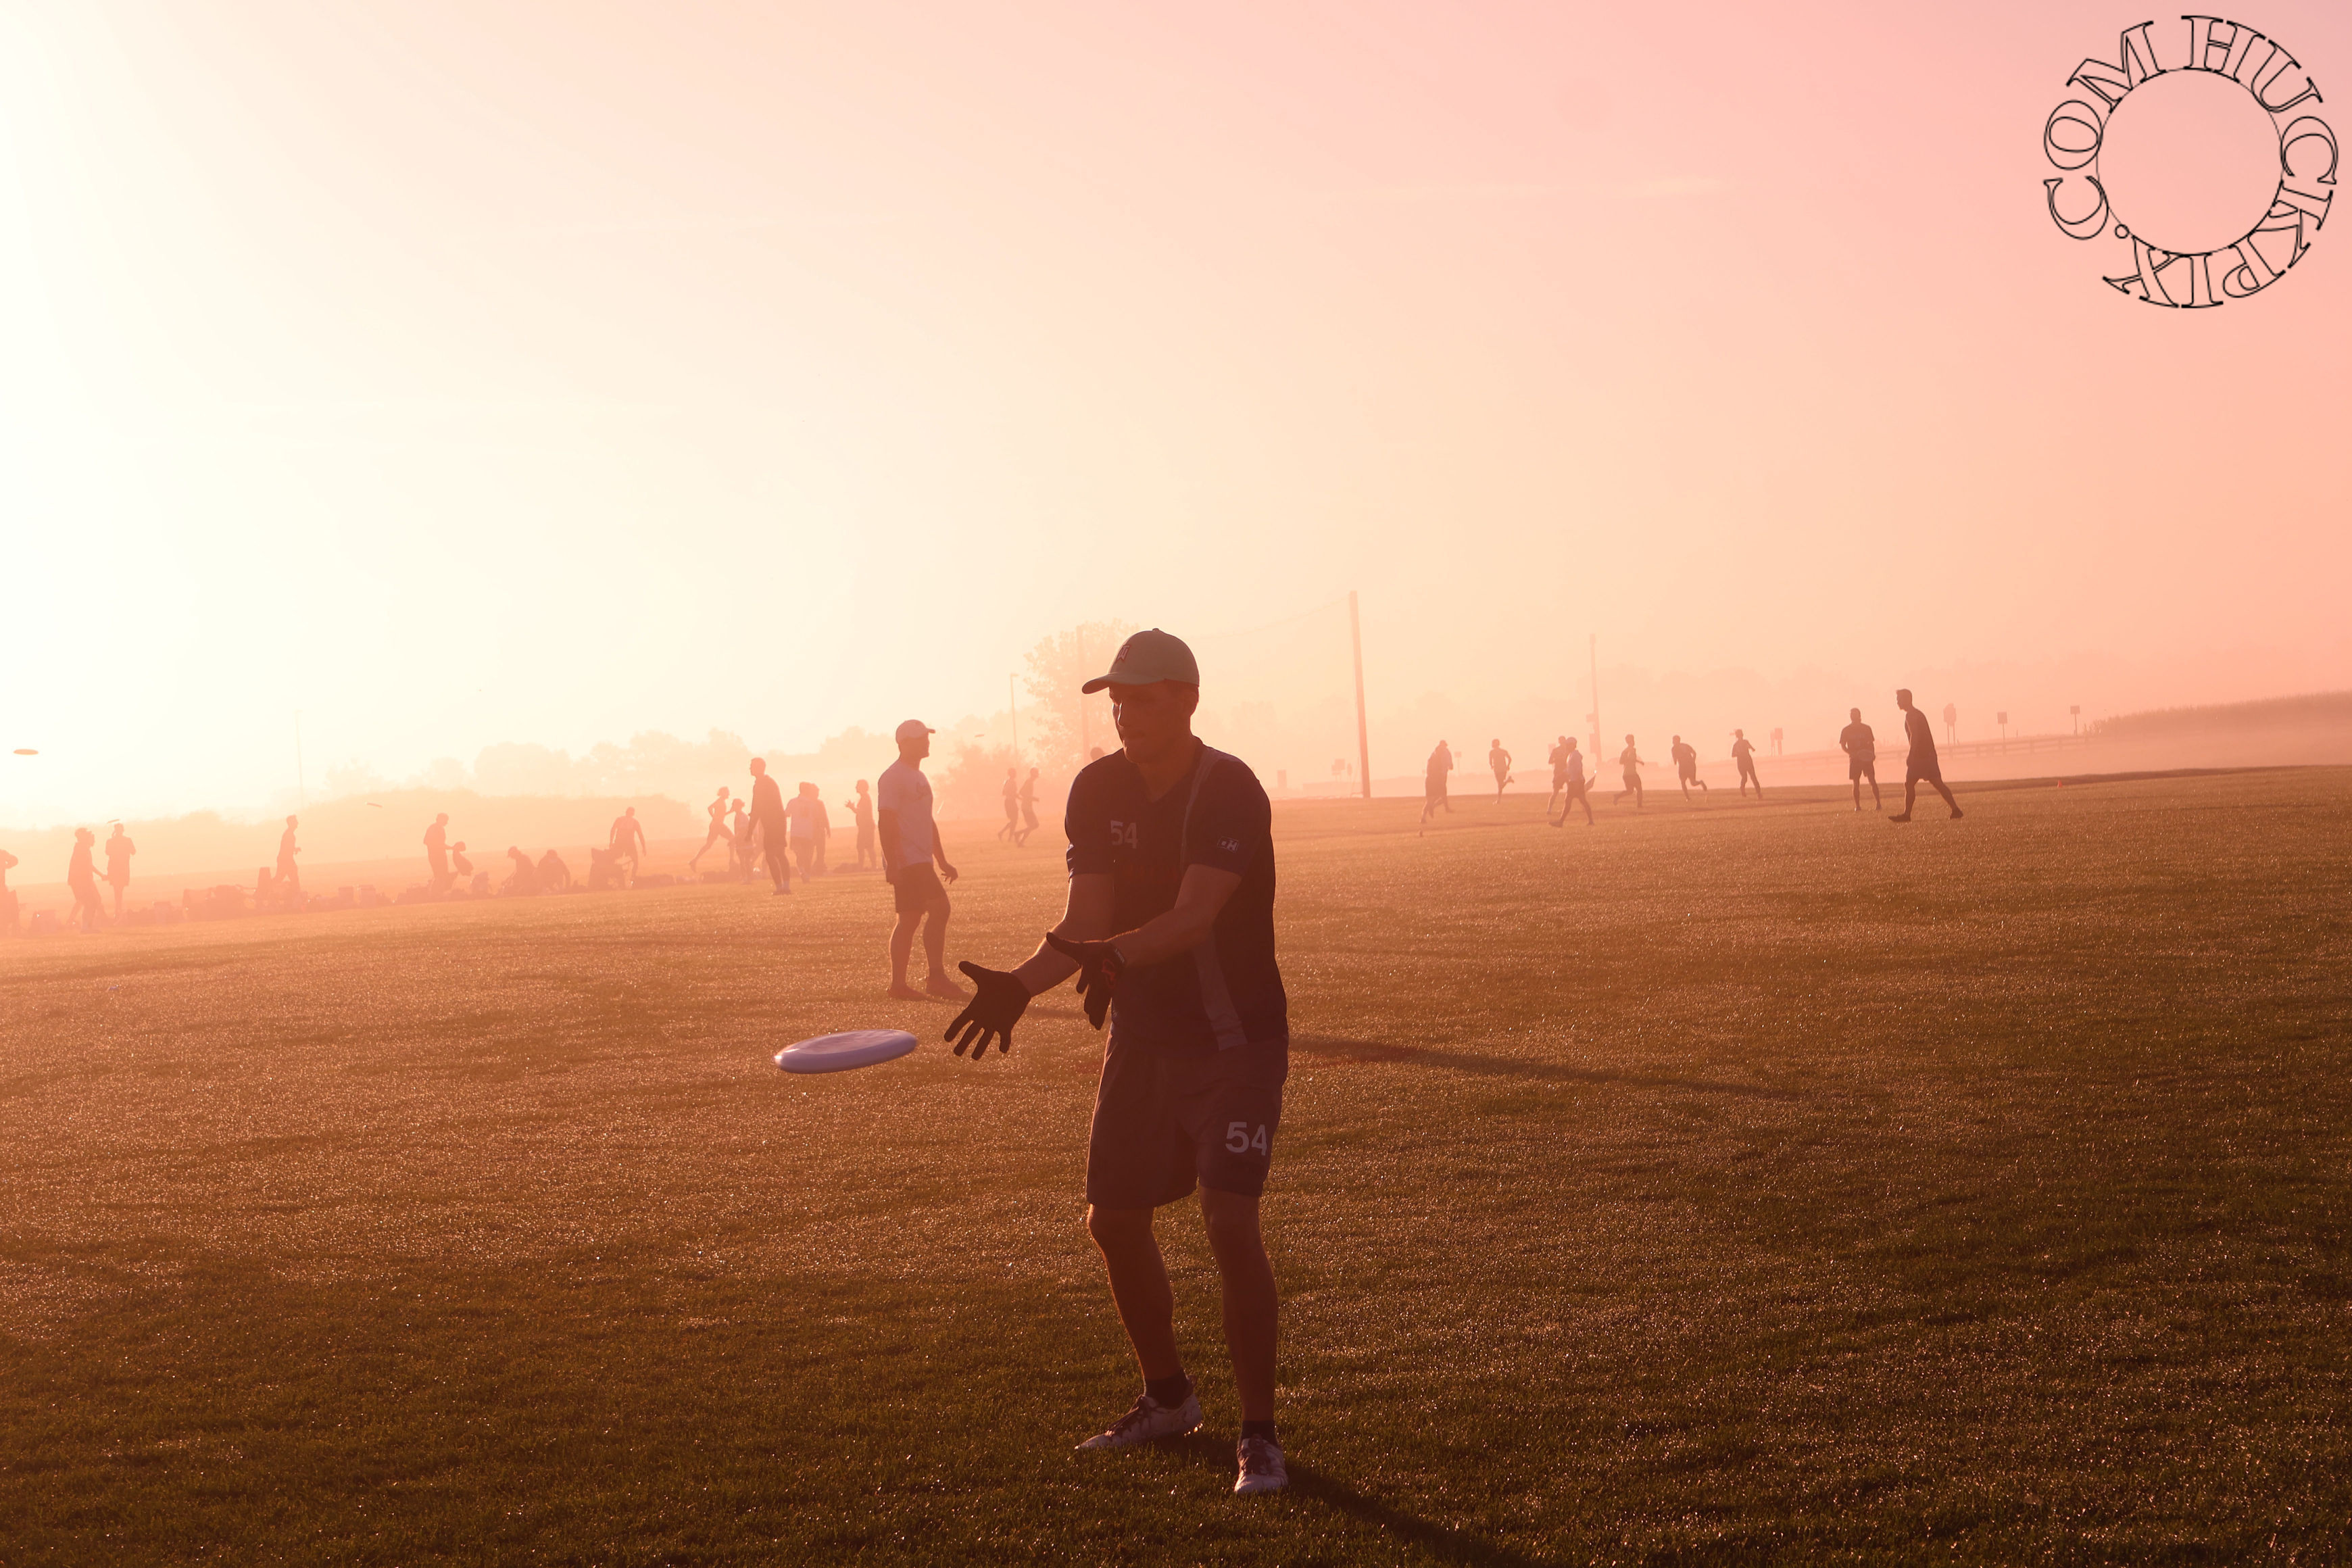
1594, 649
1363, 736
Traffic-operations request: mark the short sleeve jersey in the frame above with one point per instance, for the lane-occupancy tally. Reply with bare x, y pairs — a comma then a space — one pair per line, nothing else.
1571, 765
802, 813
1743, 751
905, 794
1860, 742
118, 858
1227, 992
1921, 735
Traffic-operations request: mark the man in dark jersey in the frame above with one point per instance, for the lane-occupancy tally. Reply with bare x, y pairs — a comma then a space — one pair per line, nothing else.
768, 821
1170, 928
1921, 764
1860, 744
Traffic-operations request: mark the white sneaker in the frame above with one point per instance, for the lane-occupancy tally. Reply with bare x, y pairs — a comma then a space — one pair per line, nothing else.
1262, 1468
1150, 1421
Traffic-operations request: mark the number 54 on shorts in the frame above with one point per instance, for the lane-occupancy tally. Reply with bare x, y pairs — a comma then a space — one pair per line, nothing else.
1240, 1140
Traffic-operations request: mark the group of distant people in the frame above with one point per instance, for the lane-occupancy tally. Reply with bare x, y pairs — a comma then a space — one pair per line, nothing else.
1570, 788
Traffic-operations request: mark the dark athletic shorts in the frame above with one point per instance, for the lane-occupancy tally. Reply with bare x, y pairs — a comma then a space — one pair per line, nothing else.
915, 888
1932, 770
1164, 1120
1862, 768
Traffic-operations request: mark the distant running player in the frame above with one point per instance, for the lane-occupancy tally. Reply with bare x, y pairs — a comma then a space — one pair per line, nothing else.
1861, 749
1433, 786
1630, 761
119, 851
437, 854
717, 810
1028, 808
1010, 831
1558, 757
1499, 761
1571, 774
1743, 751
1922, 763
1686, 758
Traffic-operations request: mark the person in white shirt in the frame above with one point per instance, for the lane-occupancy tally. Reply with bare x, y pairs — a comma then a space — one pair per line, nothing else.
1571, 774
910, 845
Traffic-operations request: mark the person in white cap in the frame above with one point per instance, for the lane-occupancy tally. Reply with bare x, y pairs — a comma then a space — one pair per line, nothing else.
910, 845
1170, 928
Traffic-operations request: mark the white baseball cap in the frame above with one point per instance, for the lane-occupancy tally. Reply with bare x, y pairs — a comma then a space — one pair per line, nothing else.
911, 727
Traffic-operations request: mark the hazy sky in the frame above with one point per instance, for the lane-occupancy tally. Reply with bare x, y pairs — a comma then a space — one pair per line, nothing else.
463, 372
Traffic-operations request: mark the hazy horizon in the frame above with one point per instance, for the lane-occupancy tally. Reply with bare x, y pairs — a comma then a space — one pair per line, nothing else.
464, 375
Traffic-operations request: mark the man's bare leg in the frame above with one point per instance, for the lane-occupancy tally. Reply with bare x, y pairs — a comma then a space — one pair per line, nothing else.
1251, 1308
1139, 1287
902, 947
935, 950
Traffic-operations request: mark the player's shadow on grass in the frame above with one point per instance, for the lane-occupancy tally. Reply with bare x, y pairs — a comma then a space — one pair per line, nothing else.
1441, 1541
1335, 1048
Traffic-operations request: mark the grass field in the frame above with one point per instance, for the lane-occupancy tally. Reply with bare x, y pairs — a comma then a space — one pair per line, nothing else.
1712, 1186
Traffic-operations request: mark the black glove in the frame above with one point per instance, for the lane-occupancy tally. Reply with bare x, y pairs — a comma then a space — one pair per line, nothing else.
1100, 967
998, 1002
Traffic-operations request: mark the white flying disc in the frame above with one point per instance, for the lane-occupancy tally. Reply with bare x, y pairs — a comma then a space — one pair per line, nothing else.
839, 1053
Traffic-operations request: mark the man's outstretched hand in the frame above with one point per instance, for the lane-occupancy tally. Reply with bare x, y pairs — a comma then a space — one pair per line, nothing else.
1100, 966
999, 999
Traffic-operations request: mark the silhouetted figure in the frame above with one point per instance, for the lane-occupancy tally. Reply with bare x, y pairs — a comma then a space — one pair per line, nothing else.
461, 868
81, 880
1951, 723
1499, 761
604, 870
265, 889
290, 880
554, 876
1686, 758
1922, 762
1861, 749
627, 846
1743, 751
524, 878
1170, 928
1012, 827
717, 834
1569, 773
739, 841
1630, 761
1028, 809
810, 828
861, 814
911, 848
1095, 754
436, 853
119, 851
767, 824
1433, 788
7, 899
1558, 757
